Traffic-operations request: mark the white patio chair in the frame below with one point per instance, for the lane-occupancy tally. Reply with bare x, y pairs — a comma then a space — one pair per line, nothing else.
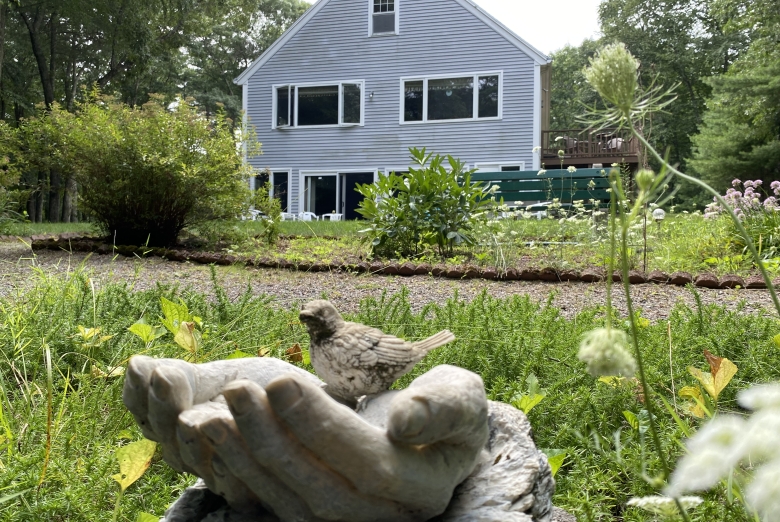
288, 216
308, 216
332, 216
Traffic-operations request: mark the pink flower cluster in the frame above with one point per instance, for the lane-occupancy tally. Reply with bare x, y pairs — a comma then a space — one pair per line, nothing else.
748, 201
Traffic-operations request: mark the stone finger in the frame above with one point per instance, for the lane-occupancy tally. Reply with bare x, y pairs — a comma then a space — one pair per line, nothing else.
329, 493
233, 457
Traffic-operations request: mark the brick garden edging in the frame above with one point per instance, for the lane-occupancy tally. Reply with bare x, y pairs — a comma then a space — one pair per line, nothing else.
79, 243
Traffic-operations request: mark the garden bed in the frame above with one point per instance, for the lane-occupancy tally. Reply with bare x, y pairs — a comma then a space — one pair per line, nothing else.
354, 264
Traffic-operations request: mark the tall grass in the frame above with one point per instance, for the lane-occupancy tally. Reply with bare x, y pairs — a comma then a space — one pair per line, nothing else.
60, 422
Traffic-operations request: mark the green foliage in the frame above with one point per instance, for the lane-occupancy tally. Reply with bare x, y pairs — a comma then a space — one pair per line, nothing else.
741, 129
430, 205
505, 341
271, 209
569, 90
144, 173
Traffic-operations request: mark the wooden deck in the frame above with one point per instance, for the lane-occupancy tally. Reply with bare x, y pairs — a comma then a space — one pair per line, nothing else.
587, 147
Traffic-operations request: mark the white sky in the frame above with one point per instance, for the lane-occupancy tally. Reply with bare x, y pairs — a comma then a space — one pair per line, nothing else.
547, 25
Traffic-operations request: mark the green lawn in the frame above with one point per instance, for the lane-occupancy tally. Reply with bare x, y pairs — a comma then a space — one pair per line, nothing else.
61, 424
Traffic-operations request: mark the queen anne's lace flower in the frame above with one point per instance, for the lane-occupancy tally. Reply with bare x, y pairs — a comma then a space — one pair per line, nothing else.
606, 353
664, 506
763, 494
728, 441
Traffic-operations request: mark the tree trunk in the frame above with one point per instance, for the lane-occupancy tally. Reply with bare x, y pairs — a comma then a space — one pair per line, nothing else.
34, 29
3, 16
55, 195
39, 197
69, 200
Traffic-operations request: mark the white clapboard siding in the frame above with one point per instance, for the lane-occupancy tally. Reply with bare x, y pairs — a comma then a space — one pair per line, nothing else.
436, 37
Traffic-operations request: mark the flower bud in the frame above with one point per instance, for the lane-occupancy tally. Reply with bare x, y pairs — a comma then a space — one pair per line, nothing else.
644, 179
606, 353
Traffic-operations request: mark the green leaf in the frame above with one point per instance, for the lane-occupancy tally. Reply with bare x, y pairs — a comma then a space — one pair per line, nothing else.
174, 314
555, 458
147, 333
134, 459
146, 517
776, 340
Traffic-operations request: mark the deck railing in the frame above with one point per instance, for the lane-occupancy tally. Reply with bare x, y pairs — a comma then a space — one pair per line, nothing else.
588, 144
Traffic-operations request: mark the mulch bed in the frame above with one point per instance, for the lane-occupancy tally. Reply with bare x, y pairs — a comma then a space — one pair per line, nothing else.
76, 242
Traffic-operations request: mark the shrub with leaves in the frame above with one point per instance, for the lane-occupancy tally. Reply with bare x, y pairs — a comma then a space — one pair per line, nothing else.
434, 204
146, 173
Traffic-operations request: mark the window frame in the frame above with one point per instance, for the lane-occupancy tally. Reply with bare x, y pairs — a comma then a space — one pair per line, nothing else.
396, 10
475, 106
294, 90
500, 164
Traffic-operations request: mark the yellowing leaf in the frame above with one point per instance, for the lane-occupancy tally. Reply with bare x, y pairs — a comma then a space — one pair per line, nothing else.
632, 419
526, 403
185, 337
696, 405
612, 380
263, 352
776, 340
146, 517
238, 354
134, 459
721, 372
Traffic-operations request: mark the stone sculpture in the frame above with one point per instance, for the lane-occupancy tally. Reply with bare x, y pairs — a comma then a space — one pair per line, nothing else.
355, 359
270, 444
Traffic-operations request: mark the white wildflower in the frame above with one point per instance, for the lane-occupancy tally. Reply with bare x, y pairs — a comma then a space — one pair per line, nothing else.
713, 451
541, 172
763, 494
572, 169
664, 506
606, 353
760, 397
536, 149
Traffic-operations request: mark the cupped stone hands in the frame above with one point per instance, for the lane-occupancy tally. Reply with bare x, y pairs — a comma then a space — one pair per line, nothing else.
264, 434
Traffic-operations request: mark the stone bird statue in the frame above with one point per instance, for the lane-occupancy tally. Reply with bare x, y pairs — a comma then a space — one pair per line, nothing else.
355, 359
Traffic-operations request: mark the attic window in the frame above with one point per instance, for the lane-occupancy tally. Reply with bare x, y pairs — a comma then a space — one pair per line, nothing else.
383, 17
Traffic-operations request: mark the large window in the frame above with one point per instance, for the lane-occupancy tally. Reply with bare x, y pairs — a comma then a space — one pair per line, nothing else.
318, 105
462, 97
383, 17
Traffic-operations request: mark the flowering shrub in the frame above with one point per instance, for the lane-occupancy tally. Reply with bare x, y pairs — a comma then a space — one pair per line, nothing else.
758, 210
748, 201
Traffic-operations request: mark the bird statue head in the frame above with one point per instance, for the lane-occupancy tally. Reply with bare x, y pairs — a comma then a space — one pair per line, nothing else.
320, 317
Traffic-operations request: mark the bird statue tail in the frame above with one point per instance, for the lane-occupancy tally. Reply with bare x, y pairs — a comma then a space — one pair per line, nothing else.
434, 341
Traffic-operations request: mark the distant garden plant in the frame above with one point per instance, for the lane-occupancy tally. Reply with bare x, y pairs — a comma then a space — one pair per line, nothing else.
147, 172
435, 203
758, 211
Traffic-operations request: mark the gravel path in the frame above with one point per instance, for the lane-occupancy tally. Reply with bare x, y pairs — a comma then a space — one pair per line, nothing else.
346, 290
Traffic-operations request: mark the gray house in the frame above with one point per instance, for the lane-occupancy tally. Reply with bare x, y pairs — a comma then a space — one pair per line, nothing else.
353, 84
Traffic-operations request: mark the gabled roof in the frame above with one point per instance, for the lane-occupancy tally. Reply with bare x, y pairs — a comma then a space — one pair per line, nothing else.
469, 5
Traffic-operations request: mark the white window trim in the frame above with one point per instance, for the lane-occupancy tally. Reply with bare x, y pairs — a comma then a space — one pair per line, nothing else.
475, 108
294, 90
500, 165
303, 174
289, 184
371, 20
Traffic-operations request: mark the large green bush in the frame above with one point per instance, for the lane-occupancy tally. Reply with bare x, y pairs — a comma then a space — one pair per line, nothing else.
432, 204
146, 173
